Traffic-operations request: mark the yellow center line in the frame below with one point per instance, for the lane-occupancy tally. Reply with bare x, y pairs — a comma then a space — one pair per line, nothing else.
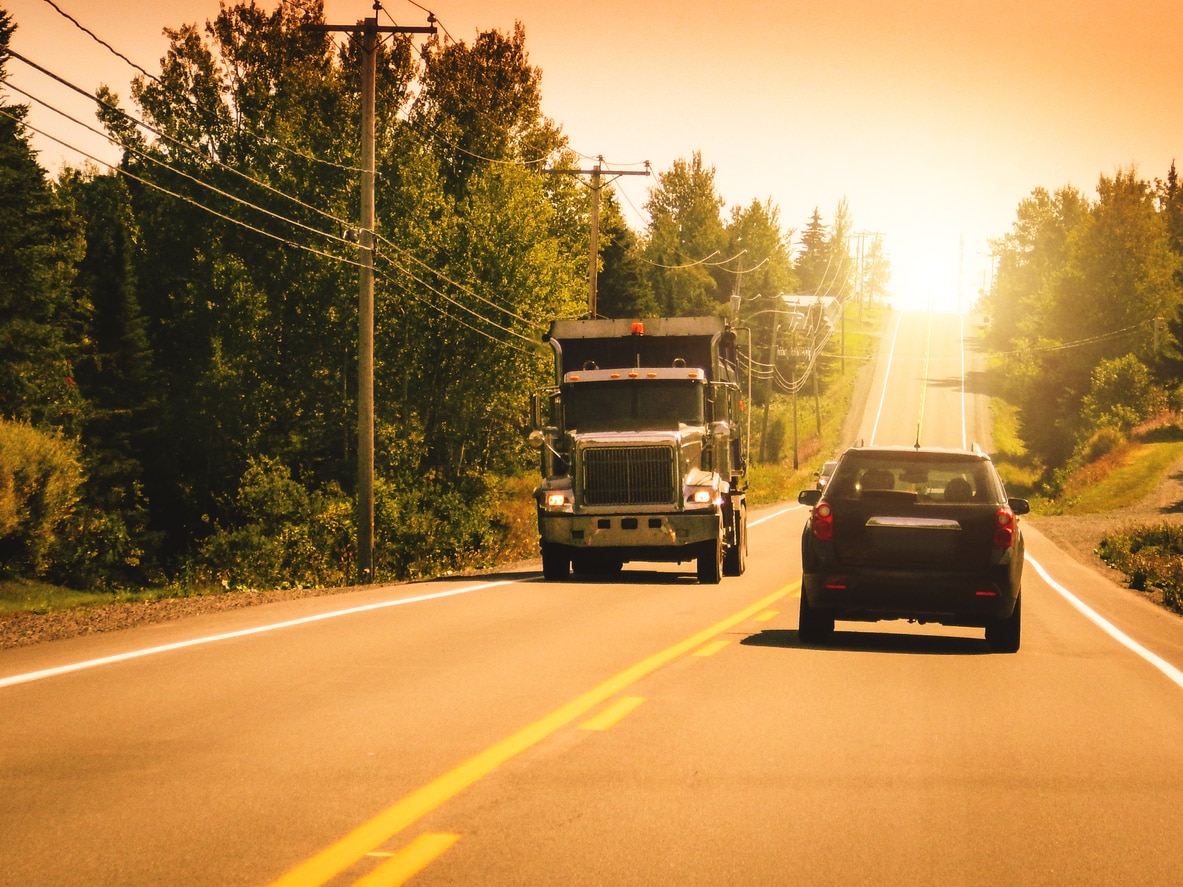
333, 860
408, 862
767, 616
924, 380
712, 648
612, 713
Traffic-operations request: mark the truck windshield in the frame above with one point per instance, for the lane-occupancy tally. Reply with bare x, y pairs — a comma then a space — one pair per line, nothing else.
627, 405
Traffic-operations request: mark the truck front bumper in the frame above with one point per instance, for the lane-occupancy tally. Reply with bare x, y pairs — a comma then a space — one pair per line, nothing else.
629, 531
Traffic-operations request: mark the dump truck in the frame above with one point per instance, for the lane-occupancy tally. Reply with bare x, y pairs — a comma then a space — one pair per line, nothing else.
643, 438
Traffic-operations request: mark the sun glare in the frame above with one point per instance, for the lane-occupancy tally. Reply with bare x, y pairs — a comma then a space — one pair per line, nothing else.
929, 276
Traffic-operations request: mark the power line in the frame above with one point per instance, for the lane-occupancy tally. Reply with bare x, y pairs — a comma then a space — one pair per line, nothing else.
103, 43
149, 157
158, 187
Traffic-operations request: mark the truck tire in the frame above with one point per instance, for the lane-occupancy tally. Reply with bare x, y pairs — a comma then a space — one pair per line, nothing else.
736, 559
1005, 635
710, 562
556, 562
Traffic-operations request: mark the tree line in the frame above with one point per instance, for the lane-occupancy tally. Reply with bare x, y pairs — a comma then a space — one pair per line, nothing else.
178, 356
1086, 311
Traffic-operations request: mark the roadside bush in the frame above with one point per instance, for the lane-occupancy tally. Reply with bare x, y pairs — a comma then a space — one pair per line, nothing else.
40, 477
286, 536
431, 528
1121, 394
1151, 556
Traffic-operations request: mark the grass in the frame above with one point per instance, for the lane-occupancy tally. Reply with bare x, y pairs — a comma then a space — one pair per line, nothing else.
1119, 479
28, 596
37, 597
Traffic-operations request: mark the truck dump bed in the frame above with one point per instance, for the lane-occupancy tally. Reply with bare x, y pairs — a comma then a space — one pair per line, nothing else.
702, 342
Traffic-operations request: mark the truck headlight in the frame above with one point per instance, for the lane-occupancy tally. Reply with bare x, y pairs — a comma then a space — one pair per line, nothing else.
555, 500
701, 497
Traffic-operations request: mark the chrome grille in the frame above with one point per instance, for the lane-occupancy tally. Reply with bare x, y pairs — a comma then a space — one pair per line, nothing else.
629, 476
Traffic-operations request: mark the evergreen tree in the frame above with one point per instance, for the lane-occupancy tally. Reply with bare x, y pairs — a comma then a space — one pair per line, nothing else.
813, 261
117, 378
623, 288
40, 246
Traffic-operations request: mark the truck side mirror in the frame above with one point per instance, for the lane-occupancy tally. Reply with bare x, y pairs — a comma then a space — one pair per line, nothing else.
536, 415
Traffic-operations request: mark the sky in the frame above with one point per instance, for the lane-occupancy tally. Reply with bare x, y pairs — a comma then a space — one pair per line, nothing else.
932, 119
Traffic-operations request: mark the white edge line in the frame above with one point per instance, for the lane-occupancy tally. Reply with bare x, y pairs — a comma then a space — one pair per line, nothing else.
1113, 631
769, 517
886, 377
180, 645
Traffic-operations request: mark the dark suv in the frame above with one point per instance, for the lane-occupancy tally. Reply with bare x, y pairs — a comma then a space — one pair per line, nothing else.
914, 533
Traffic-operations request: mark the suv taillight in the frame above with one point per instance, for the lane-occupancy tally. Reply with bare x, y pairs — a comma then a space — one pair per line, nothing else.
823, 522
1004, 529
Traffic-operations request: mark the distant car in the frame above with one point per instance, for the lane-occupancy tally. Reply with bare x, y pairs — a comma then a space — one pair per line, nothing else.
923, 534
823, 476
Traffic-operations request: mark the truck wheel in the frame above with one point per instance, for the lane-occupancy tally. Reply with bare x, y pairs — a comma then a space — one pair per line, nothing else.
813, 627
1004, 635
710, 562
736, 559
556, 563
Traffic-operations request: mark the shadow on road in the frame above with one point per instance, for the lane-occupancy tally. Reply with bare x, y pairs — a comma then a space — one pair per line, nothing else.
874, 642
624, 577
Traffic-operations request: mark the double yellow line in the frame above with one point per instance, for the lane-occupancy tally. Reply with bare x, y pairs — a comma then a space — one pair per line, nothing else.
368, 837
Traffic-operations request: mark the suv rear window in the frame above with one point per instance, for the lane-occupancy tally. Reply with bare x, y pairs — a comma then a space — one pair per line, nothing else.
934, 478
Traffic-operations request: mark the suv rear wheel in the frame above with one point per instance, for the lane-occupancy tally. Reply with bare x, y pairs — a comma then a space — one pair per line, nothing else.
813, 627
1004, 635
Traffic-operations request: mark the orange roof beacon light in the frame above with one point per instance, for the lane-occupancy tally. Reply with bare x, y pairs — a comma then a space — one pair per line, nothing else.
638, 328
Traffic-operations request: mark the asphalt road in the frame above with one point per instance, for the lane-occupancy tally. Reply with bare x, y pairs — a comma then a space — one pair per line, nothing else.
637, 730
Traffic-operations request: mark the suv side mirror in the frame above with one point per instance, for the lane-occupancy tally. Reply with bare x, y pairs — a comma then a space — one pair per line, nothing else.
809, 497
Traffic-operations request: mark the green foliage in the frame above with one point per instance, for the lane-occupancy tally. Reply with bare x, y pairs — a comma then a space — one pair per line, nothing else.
685, 231
1121, 395
1151, 556
40, 320
281, 534
763, 256
622, 288
1076, 301
39, 481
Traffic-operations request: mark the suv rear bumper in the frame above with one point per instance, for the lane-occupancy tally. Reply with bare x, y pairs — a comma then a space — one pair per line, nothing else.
949, 598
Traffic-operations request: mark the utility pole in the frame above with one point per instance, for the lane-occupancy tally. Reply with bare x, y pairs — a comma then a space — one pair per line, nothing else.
370, 29
771, 377
596, 185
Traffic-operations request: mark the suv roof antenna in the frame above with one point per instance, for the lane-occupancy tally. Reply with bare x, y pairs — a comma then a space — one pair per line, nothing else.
917, 435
